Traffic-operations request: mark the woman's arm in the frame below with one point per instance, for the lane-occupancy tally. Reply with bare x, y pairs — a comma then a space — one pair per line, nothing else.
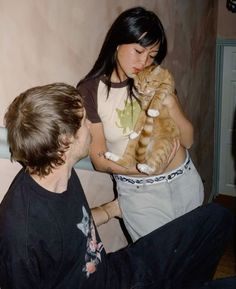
98, 148
185, 126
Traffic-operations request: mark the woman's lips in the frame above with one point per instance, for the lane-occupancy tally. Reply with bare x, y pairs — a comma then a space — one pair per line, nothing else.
136, 70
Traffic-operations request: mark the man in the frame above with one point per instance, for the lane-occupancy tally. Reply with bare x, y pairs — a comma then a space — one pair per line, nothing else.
47, 235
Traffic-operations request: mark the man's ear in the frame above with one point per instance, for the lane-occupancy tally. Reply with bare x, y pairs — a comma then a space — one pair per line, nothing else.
62, 154
65, 142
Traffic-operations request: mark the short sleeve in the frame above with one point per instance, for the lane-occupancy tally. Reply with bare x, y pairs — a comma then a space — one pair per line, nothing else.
88, 91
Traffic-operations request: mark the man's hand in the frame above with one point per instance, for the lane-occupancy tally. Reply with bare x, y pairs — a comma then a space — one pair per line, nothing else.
104, 213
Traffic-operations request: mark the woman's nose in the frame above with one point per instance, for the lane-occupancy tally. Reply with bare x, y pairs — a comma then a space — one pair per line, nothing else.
144, 60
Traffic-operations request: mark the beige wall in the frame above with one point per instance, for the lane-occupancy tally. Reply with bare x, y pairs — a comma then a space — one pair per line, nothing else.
51, 40
58, 40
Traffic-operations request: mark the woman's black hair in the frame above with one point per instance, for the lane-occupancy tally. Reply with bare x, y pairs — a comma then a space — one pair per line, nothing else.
126, 29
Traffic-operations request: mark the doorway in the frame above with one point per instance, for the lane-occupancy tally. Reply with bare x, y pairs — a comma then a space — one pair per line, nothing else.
224, 161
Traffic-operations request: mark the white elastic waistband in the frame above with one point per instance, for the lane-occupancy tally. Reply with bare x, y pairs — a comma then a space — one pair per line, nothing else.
168, 177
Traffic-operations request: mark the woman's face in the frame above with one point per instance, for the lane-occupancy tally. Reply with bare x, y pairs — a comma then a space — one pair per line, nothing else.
132, 58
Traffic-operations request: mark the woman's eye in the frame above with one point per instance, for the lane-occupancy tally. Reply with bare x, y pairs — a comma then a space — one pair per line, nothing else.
152, 56
138, 51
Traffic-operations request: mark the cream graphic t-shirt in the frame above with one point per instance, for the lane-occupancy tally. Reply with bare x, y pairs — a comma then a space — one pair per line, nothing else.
116, 112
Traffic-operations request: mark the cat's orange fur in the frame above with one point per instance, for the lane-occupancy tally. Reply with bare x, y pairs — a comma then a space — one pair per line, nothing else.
155, 130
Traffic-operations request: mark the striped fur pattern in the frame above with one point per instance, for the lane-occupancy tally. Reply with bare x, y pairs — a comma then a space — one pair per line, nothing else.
152, 140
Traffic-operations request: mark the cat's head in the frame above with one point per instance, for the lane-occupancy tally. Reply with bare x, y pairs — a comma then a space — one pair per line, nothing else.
148, 81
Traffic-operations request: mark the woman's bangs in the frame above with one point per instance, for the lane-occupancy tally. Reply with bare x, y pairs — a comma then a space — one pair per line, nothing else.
150, 38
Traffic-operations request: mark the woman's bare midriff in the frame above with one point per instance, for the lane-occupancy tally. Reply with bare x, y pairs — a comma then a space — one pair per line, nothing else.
177, 161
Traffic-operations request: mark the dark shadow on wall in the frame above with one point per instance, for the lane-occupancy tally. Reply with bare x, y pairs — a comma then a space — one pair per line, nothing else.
234, 145
234, 159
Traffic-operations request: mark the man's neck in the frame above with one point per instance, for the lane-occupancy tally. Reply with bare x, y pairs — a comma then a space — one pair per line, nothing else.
56, 181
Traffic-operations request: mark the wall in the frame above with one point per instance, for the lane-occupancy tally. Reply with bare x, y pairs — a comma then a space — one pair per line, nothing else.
226, 23
51, 40
192, 35
55, 40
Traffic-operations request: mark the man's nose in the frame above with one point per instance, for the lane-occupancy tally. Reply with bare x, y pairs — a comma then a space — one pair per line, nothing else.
88, 123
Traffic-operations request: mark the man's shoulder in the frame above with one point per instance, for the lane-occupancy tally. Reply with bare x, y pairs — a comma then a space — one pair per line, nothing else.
14, 200
21, 201
13, 190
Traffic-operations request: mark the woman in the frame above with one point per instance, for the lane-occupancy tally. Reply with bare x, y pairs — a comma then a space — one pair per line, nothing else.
136, 40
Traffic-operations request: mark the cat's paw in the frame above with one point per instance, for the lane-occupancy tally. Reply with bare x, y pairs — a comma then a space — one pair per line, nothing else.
153, 112
143, 168
134, 135
112, 157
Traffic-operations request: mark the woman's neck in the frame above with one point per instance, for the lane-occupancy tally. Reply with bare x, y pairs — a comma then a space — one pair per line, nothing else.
118, 77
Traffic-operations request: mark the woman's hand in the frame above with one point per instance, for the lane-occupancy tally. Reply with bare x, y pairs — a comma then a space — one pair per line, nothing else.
176, 113
175, 147
170, 100
97, 154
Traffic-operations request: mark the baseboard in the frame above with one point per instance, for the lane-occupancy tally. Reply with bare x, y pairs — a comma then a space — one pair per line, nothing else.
231, 194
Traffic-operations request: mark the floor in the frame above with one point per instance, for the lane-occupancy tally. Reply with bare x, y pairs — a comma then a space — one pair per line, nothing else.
227, 265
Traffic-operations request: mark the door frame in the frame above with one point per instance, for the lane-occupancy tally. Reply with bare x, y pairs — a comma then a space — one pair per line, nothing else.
220, 44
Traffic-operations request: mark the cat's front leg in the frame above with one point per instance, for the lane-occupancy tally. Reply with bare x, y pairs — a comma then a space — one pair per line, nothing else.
126, 161
134, 134
153, 112
154, 107
112, 157
138, 126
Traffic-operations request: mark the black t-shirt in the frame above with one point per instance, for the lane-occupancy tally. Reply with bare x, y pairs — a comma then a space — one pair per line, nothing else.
48, 240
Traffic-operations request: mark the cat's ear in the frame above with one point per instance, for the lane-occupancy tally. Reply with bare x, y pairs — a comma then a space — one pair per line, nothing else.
156, 69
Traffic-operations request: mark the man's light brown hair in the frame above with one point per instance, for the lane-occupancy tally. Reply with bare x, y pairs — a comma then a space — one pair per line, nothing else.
40, 122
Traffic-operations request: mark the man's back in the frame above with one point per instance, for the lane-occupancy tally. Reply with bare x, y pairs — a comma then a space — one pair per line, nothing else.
40, 227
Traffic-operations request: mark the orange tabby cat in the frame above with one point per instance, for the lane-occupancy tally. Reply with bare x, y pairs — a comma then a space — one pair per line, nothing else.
152, 140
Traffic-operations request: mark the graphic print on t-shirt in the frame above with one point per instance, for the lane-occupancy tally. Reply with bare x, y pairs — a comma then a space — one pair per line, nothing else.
127, 117
94, 249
